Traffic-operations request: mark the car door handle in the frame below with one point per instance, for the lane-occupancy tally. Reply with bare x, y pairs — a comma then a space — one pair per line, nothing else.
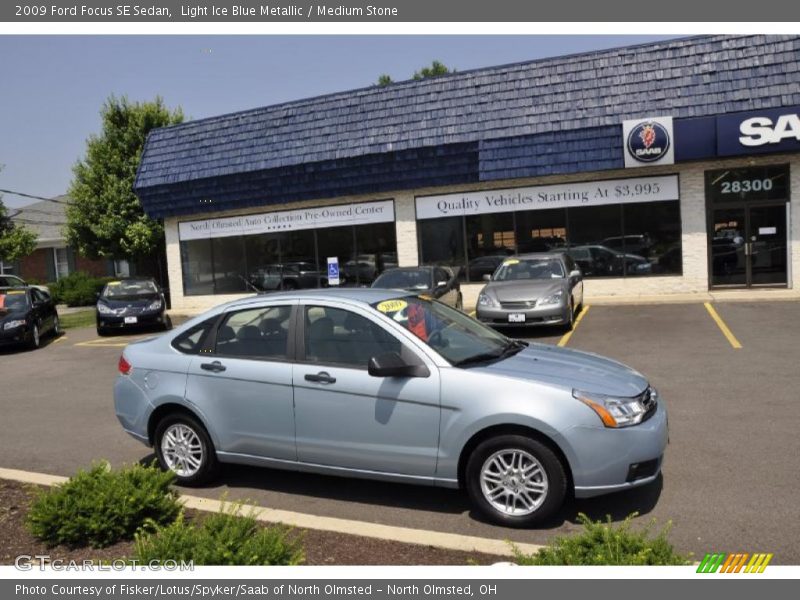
215, 367
321, 377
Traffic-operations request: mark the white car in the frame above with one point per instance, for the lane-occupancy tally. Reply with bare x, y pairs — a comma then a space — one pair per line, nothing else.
14, 281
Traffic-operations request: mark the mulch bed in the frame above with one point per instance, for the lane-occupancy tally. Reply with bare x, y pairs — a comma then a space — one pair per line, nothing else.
321, 547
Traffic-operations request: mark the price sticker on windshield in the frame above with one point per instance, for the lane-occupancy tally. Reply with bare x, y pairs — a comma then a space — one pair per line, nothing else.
114, 282
511, 261
389, 306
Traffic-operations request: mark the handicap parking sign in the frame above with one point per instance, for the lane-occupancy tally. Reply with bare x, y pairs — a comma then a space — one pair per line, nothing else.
333, 270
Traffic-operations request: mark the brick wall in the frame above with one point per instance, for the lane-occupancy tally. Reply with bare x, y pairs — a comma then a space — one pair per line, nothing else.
96, 268
34, 266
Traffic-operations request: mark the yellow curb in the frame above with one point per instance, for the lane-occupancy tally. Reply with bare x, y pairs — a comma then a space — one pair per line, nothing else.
407, 535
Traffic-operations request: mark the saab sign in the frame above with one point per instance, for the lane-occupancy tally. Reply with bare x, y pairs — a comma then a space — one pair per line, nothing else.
773, 130
648, 142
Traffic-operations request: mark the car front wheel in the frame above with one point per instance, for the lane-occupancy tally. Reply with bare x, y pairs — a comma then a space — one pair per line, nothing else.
515, 480
35, 340
182, 446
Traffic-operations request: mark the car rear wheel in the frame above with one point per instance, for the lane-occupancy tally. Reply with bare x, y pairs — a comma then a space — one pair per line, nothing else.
56, 327
515, 480
183, 446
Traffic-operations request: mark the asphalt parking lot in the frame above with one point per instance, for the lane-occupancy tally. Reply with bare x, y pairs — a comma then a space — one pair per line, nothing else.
730, 480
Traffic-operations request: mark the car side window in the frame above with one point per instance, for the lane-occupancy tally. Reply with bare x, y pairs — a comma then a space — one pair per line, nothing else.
441, 275
261, 333
191, 340
342, 337
37, 296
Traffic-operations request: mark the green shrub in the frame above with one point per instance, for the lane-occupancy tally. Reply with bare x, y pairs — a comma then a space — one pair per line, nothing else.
224, 538
77, 289
605, 544
100, 507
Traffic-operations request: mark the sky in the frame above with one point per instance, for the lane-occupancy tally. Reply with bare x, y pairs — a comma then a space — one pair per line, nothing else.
52, 87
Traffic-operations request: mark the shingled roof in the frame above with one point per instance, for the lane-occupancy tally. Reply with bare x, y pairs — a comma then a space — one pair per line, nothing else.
685, 78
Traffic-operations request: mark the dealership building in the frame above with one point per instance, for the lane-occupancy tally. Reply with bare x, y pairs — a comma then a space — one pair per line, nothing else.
662, 168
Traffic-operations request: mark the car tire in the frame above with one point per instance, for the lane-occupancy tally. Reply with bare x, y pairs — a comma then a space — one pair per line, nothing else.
568, 326
36, 338
540, 474
180, 435
167, 323
56, 327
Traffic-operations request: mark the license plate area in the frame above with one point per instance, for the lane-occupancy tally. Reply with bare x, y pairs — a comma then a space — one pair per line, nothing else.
516, 317
131, 320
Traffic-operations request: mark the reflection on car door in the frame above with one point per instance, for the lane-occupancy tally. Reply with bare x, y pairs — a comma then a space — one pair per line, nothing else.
44, 310
343, 416
450, 294
244, 386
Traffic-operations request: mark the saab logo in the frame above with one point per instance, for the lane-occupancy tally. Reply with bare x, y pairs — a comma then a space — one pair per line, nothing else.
759, 131
734, 563
648, 141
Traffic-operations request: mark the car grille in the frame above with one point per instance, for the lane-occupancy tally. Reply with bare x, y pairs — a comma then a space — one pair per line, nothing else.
518, 305
649, 400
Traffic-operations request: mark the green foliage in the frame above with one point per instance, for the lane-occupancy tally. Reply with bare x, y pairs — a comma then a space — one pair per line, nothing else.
83, 318
606, 544
224, 538
100, 507
437, 69
384, 80
105, 217
16, 240
77, 289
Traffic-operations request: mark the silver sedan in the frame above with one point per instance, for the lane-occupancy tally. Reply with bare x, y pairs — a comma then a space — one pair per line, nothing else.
381, 384
532, 289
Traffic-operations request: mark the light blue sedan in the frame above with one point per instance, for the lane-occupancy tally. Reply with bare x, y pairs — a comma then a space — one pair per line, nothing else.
388, 385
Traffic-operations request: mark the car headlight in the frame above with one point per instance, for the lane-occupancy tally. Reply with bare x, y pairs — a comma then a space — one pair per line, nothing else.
553, 299
617, 412
105, 310
485, 300
155, 305
13, 324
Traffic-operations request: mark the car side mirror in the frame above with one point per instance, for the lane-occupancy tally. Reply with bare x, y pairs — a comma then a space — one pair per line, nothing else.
487, 277
575, 274
441, 284
391, 364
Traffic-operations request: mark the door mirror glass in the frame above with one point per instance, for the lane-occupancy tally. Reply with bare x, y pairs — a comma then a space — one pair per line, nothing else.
487, 277
575, 273
391, 364
441, 284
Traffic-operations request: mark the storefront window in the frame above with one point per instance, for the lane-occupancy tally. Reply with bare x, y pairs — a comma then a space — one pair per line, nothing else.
653, 236
595, 240
339, 242
197, 266
488, 235
377, 250
229, 265
442, 243
541, 230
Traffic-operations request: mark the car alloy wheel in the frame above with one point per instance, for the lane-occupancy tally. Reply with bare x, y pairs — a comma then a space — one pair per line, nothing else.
35, 338
182, 450
183, 447
515, 480
56, 327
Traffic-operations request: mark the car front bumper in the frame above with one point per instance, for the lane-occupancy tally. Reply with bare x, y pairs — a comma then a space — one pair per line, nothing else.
13, 337
610, 460
551, 314
142, 320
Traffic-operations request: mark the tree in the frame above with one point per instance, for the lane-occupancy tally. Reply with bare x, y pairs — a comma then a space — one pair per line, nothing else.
16, 240
436, 69
105, 218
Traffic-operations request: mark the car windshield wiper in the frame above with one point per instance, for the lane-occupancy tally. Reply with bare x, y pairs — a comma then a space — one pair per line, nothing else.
510, 349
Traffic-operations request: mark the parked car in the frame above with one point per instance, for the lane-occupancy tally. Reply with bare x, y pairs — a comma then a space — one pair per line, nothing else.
26, 314
296, 275
131, 303
532, 289
387, 385
484, 265
437, 282
14, 281
599, 261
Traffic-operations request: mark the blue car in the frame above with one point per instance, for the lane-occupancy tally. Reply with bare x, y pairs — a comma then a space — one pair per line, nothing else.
395, 386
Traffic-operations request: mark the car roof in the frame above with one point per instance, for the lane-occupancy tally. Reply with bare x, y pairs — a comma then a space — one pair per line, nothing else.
540, 255
365, 295
420, 268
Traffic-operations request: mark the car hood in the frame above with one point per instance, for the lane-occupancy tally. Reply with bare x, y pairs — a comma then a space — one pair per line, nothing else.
11, 316
139, 301
528, 289
567, 368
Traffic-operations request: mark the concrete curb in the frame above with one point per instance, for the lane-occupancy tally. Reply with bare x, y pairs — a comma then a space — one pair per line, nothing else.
407, 535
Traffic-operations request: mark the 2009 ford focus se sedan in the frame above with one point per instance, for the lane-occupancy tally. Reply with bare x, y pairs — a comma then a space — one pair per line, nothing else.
382, 385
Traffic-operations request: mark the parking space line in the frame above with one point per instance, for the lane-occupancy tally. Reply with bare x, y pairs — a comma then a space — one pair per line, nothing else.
722, 326
565, 338
60, 339
408, 535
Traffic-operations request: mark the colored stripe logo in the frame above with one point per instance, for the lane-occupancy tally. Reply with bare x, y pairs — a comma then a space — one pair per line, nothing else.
740, 562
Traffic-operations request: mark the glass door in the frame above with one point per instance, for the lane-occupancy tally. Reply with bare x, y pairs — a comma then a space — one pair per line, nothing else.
766, 244
748, 246
728, 248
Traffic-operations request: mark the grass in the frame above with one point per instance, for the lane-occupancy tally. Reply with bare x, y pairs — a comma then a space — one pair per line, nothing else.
83, 318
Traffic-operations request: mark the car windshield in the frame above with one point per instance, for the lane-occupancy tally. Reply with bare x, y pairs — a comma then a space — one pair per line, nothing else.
129, 288
515, 269
13, 301
460, 339
405, 280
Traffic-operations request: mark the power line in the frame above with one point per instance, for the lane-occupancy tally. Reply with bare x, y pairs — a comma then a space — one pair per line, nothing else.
13, 193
